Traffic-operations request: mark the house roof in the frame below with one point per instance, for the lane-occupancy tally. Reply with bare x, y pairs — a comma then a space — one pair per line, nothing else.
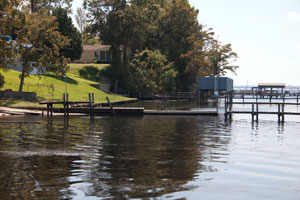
94, 47
271, 85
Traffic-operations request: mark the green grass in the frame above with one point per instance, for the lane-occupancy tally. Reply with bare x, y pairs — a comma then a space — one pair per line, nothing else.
52, 87
74, 67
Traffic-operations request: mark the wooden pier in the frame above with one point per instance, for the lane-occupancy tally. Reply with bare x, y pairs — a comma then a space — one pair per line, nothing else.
90, 107
181, 112
255, 111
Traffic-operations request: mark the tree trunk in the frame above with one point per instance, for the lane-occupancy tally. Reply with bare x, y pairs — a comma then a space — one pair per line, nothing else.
22, 80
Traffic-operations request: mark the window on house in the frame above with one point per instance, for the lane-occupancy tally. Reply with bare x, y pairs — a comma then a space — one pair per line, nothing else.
102, 56
108, 55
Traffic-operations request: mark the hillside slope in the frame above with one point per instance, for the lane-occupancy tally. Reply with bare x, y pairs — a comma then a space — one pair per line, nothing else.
52, 87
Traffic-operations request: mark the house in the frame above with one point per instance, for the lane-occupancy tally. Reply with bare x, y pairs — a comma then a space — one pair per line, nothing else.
101, 52
17, 64
34, 70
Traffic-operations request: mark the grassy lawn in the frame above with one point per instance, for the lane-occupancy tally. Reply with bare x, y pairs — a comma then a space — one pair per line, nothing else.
52, 87
74, 67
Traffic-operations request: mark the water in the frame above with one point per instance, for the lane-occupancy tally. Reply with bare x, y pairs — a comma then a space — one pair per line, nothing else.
149, 157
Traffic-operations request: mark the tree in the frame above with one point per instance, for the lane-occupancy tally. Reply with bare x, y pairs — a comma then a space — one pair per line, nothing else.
171, 26
126, 26
208, 57
1, 81
81, 19
39, 43
178, 22
11, 19
150, 71
36, 5
66, 28
221, 57
197, 57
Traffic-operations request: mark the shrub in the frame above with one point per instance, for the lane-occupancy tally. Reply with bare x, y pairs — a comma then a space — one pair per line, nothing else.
90, 72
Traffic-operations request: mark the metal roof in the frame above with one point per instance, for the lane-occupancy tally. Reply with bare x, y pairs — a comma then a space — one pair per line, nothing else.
271, 85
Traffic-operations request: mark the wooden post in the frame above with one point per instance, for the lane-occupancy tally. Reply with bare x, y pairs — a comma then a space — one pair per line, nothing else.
51, 105
231, 104
93, 106
256, 112
64, 101
271, 95
225, 99
252, 113
90, 104
282, 116
256, 97
67, 98
111, 107
243, 95
297, 97
278, 112
48, 109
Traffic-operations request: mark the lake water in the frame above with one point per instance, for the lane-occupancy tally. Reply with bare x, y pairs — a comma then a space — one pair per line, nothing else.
149, 157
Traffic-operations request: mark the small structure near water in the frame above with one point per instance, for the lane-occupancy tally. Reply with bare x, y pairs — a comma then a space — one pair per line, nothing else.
215, 84
269, 89
211, 86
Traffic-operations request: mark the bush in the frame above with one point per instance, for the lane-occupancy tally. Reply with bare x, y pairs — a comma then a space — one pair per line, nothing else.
90, 72
1, 81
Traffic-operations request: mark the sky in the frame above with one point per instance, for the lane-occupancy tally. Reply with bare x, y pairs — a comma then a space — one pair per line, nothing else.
264, 33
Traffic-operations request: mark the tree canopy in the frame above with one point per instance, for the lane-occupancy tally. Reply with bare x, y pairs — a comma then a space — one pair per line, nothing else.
51, 5
67, 29
170, 26
11, 19
150, 71
148, 38
39, 43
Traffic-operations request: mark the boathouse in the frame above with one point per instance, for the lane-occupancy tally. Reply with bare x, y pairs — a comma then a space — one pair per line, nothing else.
215, 84
269, 89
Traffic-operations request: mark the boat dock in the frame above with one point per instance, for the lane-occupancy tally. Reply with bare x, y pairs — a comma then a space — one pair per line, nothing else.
92, 108
213, 112
255, 111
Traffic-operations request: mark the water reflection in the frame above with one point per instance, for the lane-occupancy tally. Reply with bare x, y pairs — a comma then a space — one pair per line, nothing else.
114, 157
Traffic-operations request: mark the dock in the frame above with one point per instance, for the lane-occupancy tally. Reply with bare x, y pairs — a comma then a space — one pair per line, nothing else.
181, 112
255, 111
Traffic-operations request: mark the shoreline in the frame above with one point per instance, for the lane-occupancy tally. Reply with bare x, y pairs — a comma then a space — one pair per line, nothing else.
29, 110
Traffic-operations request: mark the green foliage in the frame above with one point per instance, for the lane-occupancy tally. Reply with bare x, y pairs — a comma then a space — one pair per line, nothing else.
11, 19
221, 57
67, 29
51, 5
95, 60
150, 71
39, 41
153, 24
1, 81
90, 72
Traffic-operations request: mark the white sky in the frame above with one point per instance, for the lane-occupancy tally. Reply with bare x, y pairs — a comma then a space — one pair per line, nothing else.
264, 33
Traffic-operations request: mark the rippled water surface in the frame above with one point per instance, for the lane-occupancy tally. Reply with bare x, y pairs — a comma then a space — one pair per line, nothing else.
163, 157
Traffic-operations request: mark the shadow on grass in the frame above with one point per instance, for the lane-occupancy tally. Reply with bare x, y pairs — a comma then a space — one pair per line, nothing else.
69, 80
